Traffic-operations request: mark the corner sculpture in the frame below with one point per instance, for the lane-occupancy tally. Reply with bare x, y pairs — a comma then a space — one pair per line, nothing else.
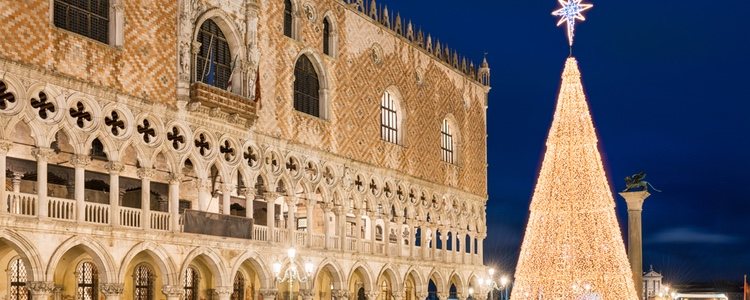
636, 183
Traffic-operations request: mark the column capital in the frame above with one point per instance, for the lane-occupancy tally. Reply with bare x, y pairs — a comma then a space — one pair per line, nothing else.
421, 295
111, 289
114, 167
146, 173
249, 193
173, 290
270, 196
227, 187
374, 295
42, 153
80, 160
175, 178
338, 210
340, 294
269, 293
39, 288
5, 146
223, 290
204, 185
306, 293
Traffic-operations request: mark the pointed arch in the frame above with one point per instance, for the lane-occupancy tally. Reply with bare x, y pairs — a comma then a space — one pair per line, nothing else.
213, 261
233, 37
101, 257
311, 85
334, 269
330, 34
158, 254
416, 277
437, 278
256, 260
457, 279
364, 272
387, 271
26, 251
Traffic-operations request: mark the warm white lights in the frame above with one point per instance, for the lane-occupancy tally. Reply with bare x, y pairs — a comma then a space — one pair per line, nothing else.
309, 268
471, 291
291, 252
491, 272
570, 12
276, 268
573, 245
504, 281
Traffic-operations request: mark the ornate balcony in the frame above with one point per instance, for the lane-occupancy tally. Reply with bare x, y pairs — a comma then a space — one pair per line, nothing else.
215, 99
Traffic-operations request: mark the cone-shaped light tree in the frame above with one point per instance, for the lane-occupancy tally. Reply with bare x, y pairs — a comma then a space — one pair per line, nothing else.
573, 247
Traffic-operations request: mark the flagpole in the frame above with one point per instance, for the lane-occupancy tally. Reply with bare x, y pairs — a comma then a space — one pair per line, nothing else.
210, 46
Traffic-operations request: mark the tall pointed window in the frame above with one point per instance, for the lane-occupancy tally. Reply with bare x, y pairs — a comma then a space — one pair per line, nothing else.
143, 283
389, 119
191, 284
306, 87
327, 36
288, 18
446, 142
17, 273
89, 18
88, 278
213, 64
238, 292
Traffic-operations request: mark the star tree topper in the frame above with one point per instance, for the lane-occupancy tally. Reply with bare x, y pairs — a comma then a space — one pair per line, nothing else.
570, 12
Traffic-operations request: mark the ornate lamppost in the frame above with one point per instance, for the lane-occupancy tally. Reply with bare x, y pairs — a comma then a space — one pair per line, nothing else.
292, 273
493, 285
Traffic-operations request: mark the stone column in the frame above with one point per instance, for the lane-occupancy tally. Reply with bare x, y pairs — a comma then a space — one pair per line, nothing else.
40, 290
223, 292
371, 217
269, 294
79, 163
270, 215
226, 198
291, 219
412, 238
250, 203
446, 253
326, 225
470, 246
112, 291
387, 235
423, 244
4, 148
400, 235
480, 247
42, 156
635, 236
358, 214
340, 225
16, 181
114, 169
310, 227
173, 292
204, 194
145, 174
457, 253
174, 200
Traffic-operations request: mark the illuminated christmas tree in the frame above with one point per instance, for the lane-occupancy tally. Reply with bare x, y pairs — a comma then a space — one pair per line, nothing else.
573, 247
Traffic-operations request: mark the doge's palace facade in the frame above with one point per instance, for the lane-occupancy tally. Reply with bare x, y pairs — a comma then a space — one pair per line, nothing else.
175, 149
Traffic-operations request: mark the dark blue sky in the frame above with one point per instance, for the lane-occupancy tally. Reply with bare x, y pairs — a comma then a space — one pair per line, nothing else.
667, 82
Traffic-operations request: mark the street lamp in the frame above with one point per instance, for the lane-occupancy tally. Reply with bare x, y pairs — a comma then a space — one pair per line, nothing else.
292, 274
492, 284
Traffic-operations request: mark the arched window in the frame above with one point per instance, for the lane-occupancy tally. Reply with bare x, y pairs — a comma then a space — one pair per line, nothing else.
327, 47
88, 278
446, 142
191, 284
17, 273
389, 118
89, 18
213, 64
238, 293
378, 233
288, 21
306, 87
143, 282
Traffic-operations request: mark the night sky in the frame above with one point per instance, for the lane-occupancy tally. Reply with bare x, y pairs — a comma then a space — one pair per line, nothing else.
667, 83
